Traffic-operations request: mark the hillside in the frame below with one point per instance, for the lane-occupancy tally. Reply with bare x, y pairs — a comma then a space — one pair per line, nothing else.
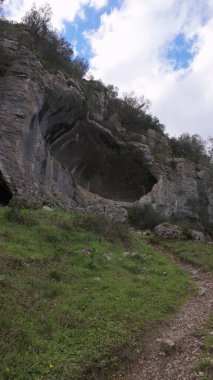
78, 295
74, 143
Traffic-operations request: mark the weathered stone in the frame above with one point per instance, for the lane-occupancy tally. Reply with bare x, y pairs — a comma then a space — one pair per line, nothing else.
197, 235
48, 209
177, 184
201, 291
169, 231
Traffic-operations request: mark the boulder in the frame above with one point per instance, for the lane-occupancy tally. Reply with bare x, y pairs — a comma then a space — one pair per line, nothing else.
197, 235
169, 231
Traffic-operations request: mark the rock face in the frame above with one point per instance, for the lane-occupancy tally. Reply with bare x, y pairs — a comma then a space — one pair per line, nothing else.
26, 165
52, 150
177, 184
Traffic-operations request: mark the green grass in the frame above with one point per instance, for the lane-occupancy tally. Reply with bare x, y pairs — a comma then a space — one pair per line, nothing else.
206, 362
200, 255
73, 306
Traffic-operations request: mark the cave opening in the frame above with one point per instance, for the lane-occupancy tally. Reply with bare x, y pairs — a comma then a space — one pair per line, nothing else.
99, 163
5, 193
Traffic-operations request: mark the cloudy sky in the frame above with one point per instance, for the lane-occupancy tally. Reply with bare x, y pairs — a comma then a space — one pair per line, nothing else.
162, 49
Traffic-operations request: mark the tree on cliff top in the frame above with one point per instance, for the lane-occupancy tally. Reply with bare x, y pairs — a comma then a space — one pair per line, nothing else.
192, 148
53, 47
38, 21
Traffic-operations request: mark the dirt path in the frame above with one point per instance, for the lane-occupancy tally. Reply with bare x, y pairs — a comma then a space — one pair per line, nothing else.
185, 331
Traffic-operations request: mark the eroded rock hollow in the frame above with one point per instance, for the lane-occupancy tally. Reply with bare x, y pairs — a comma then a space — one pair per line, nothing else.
99, 162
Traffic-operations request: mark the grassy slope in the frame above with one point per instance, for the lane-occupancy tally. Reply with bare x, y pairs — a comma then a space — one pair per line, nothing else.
200, 255
72, 305
205, 365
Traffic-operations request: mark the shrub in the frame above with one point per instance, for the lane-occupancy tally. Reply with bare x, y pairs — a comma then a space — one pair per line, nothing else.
192, 148
52, 47
55, 275
154, 240
111, 229
107, 227
17, 212
133, 112
144, 217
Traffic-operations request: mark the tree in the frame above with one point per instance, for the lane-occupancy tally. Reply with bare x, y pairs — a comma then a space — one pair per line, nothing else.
38, 21
55, 51
133, 112
192, 148
112, 91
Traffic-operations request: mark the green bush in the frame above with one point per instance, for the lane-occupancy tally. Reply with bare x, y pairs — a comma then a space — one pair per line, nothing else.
133, 112
144, 217
54, 51
111, 229
17, 212
192, 148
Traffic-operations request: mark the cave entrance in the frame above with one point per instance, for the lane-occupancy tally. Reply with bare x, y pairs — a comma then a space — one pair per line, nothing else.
5, 193
101, 164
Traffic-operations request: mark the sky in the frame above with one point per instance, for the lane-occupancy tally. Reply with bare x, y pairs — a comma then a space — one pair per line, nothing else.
162, 49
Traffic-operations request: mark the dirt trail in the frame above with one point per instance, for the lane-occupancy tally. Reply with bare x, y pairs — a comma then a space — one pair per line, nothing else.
185, 330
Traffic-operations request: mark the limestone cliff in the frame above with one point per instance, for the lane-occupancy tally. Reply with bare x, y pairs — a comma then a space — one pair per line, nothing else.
52, 150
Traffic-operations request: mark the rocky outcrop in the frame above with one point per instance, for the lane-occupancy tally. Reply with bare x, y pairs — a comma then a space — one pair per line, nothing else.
50, 151
197, 236
26, 165
54, 148
177, 184
169, 231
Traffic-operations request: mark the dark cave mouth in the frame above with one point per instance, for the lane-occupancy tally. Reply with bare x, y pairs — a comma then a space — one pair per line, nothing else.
116, 179
101, 164
5, 193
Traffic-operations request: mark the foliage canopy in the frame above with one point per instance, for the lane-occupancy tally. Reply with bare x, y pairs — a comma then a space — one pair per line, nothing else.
192, 148
132, 111
52, 46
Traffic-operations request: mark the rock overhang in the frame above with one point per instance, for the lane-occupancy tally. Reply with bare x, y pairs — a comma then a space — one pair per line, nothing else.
98, 161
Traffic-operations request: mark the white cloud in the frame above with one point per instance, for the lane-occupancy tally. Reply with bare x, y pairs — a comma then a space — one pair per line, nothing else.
63, 10
129, 51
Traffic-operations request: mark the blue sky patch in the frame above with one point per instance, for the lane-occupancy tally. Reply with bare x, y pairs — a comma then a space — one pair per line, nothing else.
180, 52
75, 31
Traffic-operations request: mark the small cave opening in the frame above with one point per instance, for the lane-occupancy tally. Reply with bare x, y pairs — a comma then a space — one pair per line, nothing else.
99, 163
5, 193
